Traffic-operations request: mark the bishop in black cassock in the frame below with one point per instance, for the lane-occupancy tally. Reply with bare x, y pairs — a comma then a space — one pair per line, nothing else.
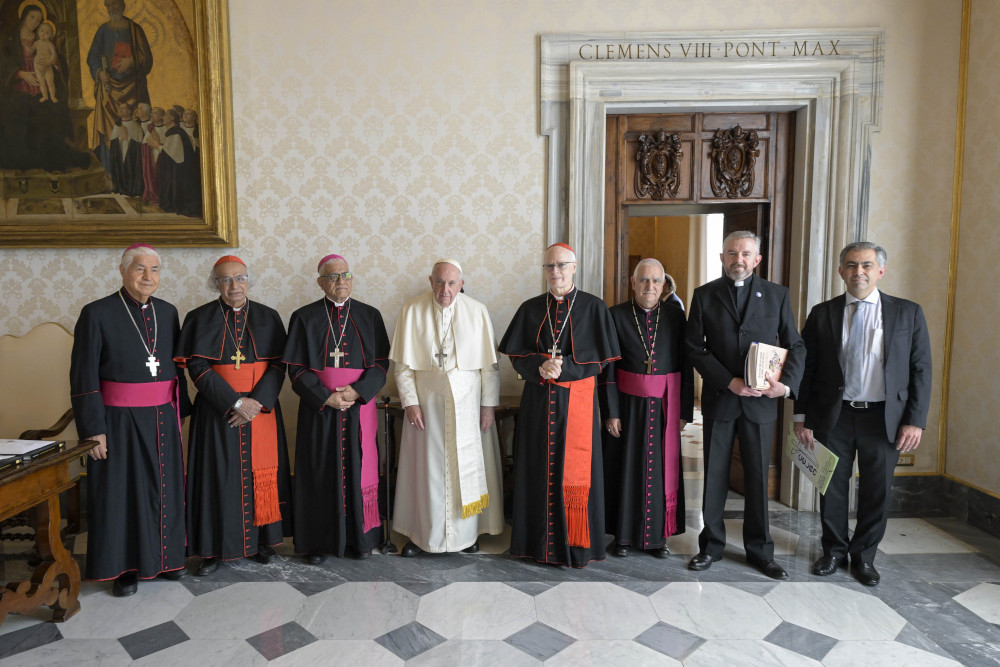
129, 395
337, 355
646, 399
238, 488
559, 343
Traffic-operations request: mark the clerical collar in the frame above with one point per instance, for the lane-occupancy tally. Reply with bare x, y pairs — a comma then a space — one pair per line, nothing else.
560, 298
739, 283
140, 306
646, 310
338, 305
233, 308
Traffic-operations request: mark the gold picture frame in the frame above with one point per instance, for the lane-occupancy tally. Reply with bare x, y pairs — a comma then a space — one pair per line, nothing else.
76, 220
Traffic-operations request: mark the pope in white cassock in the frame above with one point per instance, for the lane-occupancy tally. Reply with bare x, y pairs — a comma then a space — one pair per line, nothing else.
448, 490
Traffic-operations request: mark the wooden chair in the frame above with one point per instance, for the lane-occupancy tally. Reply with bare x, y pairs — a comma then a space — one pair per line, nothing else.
35, 397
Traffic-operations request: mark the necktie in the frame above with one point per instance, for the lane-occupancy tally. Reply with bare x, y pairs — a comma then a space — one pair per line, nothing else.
854, 359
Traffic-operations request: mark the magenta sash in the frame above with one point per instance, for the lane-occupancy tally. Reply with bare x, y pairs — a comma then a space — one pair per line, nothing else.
667, 387
137, 394
142, 395
341, 377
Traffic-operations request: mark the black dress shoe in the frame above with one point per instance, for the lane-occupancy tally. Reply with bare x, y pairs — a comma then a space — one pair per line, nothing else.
174, 575
827, 565
207, 567
472, 549
701, 561
411, 550
622, 550
315, 559
264, 555
769, 569
865, 573
125, 585
361, 555
662, 552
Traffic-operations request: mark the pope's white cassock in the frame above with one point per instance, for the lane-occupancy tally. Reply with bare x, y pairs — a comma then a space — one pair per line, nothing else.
448, 490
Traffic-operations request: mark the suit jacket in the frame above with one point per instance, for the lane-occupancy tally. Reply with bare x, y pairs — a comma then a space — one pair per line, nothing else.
907, 363
718, 342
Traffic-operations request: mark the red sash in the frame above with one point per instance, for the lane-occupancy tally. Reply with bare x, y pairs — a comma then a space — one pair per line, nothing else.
667, 387
341, 377
263, 442
577, 459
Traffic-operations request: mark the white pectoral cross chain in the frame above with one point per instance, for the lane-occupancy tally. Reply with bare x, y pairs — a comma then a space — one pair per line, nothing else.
151, 362
337, 353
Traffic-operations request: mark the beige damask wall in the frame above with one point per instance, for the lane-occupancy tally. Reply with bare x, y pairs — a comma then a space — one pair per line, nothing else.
396, 131
972, 430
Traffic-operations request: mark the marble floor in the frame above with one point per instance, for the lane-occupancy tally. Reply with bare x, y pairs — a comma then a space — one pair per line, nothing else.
938, 604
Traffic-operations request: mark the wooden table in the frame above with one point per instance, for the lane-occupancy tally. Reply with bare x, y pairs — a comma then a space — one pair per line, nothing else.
56, 581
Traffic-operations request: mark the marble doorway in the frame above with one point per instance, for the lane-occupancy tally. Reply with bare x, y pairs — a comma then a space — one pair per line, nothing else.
834, 94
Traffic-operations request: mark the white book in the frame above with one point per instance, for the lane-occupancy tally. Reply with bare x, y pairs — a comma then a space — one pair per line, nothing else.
817, 463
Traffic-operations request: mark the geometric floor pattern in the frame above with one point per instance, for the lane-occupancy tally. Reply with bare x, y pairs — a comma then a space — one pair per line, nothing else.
938, 604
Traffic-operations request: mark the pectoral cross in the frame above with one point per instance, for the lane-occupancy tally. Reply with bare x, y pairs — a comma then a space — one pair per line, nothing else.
555, 351
238, 357
151, 364
336, 354
649, 365
441, 356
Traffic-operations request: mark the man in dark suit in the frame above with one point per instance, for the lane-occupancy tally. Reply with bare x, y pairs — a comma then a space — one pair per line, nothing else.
865, 391
726, 316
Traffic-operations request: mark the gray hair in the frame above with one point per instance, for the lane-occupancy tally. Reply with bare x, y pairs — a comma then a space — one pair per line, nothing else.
563, 246
880, 255
647, 262
129, 256
213, 280
742, 234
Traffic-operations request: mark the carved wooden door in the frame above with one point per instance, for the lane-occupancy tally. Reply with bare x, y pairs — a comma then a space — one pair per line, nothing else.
699, 163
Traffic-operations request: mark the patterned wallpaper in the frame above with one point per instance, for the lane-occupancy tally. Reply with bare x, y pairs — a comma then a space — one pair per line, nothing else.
972, 433
393, 132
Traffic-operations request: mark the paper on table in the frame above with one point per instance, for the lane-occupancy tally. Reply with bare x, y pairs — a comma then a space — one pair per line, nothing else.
817, 463
25, 447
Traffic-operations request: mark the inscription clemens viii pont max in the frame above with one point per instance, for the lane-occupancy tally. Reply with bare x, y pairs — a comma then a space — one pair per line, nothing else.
745, 49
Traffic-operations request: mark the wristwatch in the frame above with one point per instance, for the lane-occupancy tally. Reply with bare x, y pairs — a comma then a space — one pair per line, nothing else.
237, 404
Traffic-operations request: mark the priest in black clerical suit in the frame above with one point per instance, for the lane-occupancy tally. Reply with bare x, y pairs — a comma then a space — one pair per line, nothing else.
337, 355
873, 408
129, 395
238, 487
558, 514
726, 316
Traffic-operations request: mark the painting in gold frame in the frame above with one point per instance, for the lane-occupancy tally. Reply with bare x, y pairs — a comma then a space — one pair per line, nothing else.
70, 175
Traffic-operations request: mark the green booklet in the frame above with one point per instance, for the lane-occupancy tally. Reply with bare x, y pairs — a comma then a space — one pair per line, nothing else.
817, 463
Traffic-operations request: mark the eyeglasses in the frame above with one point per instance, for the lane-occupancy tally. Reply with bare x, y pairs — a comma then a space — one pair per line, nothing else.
334, 277
227, 280
558, 265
